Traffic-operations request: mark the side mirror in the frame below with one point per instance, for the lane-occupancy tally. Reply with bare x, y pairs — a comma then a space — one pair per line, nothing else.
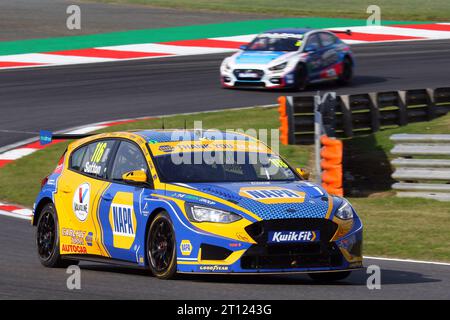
303, 173
135, 177
243, 47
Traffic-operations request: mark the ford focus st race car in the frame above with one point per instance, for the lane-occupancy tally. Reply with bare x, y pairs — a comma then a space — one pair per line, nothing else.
289, 58
185, 201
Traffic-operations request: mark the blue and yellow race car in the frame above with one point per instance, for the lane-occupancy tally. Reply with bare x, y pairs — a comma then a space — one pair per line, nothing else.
191, 201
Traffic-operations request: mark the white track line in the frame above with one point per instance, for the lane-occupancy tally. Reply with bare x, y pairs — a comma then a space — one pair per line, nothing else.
168, 49
51, 59
408, 260
409, 32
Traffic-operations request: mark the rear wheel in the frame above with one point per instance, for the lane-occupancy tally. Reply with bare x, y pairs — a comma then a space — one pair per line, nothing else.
47, 239
329, 276
301, 78
346, 76
161, 247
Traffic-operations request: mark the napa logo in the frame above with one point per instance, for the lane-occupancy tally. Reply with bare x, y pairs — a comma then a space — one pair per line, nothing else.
80, 201
272, 194
123, 220
293, 236
185, 247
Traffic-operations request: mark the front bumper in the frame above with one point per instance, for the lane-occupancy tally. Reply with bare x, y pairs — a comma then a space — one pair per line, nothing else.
261, 78
221, 255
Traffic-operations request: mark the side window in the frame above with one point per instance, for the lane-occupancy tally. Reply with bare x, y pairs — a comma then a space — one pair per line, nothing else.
77, 158
313, 42
92, 159
129, 157
327, 39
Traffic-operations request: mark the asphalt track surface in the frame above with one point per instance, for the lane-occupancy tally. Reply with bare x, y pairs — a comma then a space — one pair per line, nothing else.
56, 98
22, 277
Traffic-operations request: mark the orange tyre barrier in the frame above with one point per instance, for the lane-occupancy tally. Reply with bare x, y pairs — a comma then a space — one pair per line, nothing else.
331, 164
284, 128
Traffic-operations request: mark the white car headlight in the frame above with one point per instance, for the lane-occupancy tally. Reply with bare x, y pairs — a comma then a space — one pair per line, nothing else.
226, 65
205, 214
278, 67
345, 211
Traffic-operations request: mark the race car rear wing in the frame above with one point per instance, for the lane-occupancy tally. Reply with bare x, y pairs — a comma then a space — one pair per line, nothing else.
347, 32
46, 137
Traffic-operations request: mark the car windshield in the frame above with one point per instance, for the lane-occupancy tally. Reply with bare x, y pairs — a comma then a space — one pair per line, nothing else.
223, 167
276, 42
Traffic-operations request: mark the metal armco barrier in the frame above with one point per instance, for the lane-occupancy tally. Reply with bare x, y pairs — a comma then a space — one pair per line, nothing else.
356, 114
422, 177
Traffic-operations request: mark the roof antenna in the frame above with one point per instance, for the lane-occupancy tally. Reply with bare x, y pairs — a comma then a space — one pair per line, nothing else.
185, 126
162, 126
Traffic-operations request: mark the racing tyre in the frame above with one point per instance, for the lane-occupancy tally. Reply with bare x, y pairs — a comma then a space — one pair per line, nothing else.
329, 276
47, 239
161, 247
346, 76
301, 78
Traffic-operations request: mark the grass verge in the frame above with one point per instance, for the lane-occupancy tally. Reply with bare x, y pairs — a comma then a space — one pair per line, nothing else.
390, 9
394, 227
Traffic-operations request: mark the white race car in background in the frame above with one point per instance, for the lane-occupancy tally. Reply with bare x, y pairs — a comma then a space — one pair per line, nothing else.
289, 58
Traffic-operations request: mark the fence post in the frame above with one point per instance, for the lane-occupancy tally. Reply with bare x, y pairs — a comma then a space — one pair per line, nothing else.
346, 116
432, 110
402, 110
374, 111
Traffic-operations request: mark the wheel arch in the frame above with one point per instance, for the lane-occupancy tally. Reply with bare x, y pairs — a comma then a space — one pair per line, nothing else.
39, 206
349, 57
151, 217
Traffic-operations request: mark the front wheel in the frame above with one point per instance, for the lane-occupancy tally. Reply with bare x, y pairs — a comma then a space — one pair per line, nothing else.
161, 247
345, 78
47, 239
329, 276
301, 78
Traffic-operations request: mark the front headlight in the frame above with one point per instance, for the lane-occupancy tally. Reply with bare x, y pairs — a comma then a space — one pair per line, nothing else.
345, 211
226, 65
278, 67
198, 213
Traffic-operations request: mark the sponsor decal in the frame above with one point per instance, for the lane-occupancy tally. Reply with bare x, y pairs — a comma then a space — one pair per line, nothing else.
76, 236
89, 238
69, 248
81, 201
235, 245
123, 220
293, 236
242, 237
213, 268
185, 247
166, 148
272, 194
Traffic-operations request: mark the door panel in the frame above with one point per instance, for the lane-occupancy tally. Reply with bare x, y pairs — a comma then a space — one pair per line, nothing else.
76, 202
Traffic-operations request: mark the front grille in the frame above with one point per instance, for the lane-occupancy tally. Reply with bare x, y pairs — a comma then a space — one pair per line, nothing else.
211, 252
264, 255
250, 84
248, 74
259, 230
